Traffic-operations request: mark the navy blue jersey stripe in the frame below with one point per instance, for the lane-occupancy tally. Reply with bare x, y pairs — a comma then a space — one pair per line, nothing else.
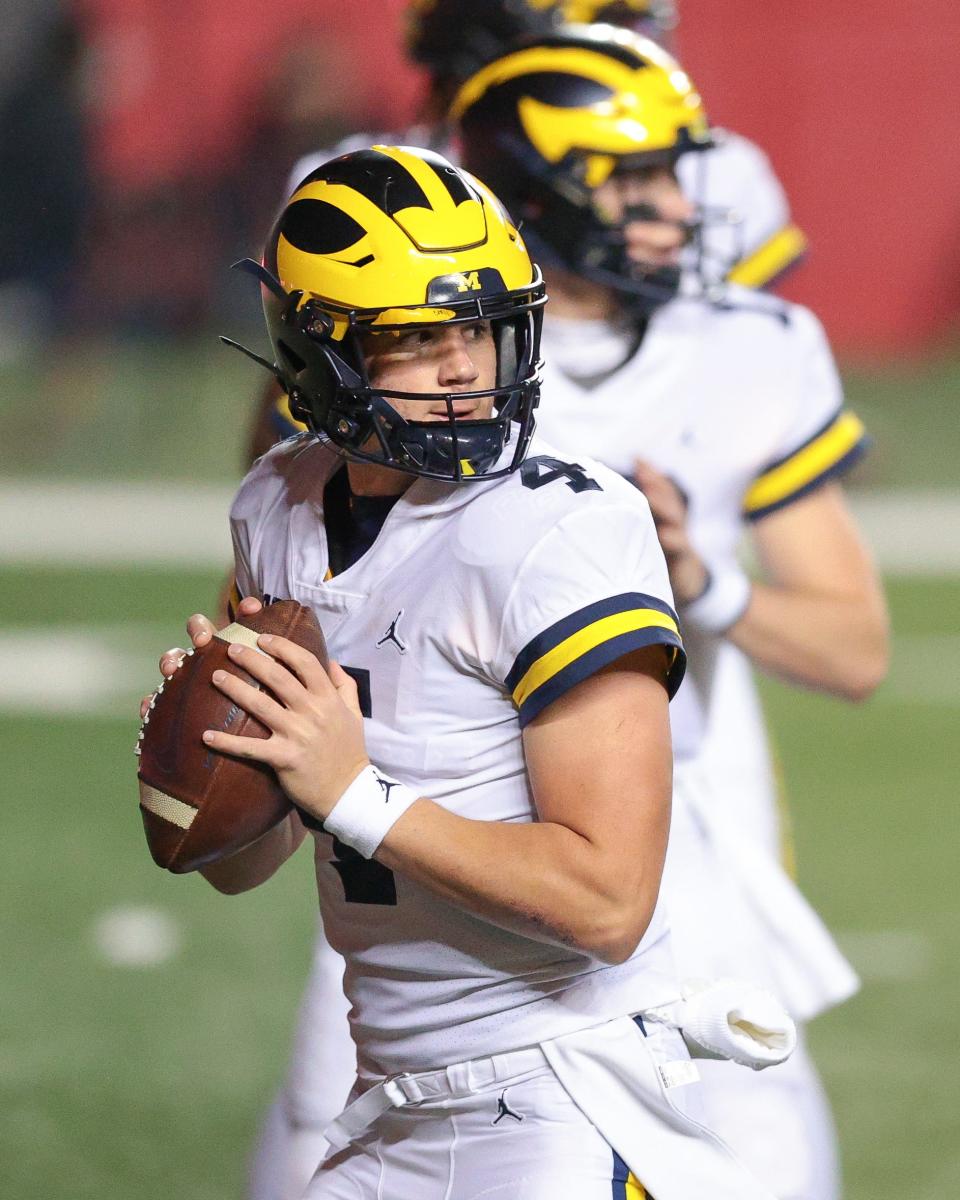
840, 467
600, 657
564, 628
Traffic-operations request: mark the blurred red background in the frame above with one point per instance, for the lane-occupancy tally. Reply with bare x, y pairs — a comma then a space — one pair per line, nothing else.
851, 101
854, 102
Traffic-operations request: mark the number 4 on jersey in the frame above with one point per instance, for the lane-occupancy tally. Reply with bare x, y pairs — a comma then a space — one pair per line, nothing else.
539, 471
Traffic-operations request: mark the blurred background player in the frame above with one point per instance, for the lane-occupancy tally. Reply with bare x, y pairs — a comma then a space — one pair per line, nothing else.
43, 154
727, 411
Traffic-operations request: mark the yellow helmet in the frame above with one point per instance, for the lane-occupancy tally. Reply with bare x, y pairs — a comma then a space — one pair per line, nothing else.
392, 239
551, 122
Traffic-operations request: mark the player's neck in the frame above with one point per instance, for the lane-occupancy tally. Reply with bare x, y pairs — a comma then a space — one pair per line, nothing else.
367, 479
580, 299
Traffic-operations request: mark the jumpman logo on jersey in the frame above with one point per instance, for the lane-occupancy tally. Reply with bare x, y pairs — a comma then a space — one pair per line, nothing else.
504, 1110
391, 634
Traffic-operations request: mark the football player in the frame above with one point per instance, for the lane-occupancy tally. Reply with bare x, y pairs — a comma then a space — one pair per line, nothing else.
452, 39
727, 412
487, 771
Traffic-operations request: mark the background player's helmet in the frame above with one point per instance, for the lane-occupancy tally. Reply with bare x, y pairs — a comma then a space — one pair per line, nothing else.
548, 124
391, 240
653, 18
454, 38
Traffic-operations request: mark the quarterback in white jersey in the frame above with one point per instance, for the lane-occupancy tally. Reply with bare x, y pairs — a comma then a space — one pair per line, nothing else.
728, 414
531, 583
489, 838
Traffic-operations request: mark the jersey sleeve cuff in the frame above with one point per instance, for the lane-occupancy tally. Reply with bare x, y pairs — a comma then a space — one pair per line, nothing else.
829, 453
770, 260
581, 644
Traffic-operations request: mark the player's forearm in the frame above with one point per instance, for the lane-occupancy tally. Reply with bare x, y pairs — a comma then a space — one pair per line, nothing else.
541, 880
257, 863
835, 644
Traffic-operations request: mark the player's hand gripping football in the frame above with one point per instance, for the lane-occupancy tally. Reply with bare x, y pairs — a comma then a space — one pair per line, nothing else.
668, 506
316, 745
201, 629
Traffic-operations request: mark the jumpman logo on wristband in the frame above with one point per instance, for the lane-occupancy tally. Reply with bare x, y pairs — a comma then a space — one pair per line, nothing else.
387, 784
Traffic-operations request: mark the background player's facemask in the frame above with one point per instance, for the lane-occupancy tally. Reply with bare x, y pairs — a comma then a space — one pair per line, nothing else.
565, 229
321, 367
606, 260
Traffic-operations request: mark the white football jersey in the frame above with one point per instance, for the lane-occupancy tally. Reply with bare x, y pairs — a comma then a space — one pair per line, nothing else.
477, 606
740, 405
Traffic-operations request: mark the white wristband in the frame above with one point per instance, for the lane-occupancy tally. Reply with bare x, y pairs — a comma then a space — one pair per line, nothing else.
723, 601
365, 813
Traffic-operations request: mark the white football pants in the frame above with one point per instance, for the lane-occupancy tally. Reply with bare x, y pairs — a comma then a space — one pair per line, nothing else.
776, 1120
602, 1112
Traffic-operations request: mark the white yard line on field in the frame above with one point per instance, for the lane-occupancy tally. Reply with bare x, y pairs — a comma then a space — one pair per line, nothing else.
136, 936
113, 524
143, 524
77, 671
912, 533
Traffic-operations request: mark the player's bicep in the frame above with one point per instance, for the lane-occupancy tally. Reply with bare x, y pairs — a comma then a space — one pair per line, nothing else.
814, 545
599, 760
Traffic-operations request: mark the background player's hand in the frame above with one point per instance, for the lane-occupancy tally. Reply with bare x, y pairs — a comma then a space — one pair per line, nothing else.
201, 629
668, 505
316, 744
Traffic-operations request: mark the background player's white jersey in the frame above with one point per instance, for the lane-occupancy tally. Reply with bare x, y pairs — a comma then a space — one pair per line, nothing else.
475, 608
747, 236
740, 405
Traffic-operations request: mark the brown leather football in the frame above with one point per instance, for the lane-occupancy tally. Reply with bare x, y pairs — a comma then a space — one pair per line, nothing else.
199, 806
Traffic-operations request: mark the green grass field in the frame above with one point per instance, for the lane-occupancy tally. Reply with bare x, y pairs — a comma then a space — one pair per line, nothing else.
120, 1082
123, 1082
